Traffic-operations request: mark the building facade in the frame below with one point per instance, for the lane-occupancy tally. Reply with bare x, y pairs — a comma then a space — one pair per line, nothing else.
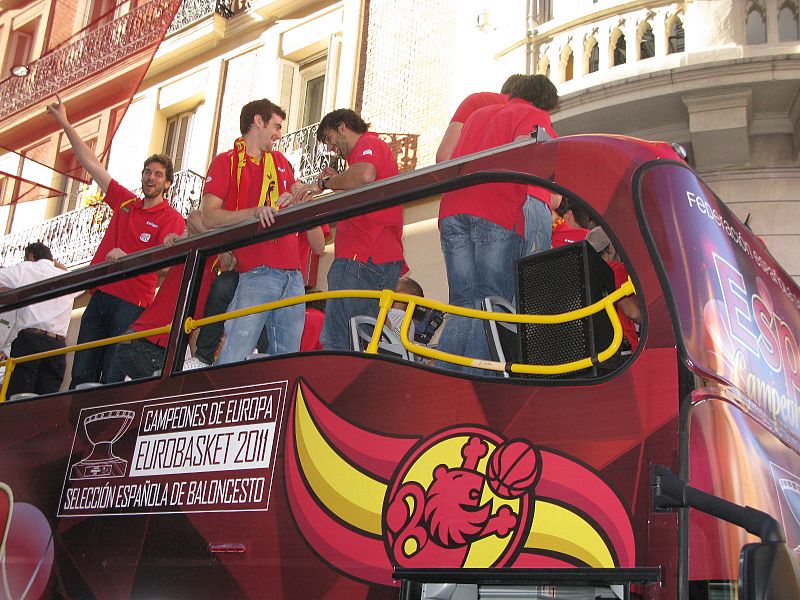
719, 77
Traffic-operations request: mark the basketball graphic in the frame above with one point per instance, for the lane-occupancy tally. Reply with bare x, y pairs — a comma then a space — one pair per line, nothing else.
514, 468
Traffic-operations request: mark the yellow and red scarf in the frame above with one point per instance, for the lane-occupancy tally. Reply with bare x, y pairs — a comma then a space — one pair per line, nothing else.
270, 187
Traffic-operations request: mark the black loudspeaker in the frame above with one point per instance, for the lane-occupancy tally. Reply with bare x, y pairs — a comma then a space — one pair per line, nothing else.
557, 281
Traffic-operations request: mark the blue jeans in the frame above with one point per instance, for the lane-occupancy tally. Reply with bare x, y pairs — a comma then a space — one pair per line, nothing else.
346, 274
538, 226
105, 316
284, 326
479, 257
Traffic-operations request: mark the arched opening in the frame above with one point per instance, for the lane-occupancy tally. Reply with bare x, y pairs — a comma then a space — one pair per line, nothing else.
788, 27
619, 49
675, 42
647, 45
756, 24
593, 57
569, 65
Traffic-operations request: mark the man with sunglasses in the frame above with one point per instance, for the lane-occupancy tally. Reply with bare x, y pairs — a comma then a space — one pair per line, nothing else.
137, 224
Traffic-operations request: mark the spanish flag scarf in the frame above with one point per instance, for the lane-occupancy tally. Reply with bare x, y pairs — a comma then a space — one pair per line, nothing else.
269, 183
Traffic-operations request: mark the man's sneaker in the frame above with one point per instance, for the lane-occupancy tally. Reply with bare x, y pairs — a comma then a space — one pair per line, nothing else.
194, 363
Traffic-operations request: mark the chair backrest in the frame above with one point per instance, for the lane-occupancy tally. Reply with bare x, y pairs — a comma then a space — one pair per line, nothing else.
503, 345
361, 328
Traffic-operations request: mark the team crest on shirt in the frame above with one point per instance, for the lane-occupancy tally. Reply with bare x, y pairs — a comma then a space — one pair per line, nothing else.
144, 237
367, 152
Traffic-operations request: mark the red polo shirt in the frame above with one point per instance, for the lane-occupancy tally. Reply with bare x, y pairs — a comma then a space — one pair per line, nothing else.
564, 234
281, 253
489, 127
475, 101
162, 310
134, 228
378, 235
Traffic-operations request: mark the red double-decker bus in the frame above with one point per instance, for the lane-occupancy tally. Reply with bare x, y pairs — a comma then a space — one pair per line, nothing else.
598, 474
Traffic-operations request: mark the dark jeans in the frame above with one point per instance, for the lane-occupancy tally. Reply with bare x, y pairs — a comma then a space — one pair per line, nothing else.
105, 316
40, 376
219, 298
139, 358
346, 274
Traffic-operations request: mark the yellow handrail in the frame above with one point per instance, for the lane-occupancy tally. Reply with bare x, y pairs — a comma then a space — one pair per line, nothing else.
11, 362
386, 299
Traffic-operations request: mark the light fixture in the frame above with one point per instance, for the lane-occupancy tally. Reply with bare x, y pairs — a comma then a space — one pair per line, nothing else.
20, 70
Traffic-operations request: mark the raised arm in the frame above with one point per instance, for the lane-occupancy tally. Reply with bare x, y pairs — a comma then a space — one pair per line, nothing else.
85, 155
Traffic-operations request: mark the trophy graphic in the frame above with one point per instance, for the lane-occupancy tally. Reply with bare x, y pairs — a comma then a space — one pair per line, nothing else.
102, 430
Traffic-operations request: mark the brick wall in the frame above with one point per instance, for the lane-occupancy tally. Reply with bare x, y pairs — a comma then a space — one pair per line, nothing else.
404, 74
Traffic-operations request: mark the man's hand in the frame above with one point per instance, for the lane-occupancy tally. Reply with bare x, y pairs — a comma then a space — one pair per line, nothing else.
58, 111
327, 172
304, 192
265, 214
173, 238
115, 254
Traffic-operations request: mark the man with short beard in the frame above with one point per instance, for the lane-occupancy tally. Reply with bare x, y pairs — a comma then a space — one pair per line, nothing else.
137, 224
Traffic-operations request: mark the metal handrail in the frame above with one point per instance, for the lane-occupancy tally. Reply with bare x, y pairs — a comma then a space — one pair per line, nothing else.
386, 299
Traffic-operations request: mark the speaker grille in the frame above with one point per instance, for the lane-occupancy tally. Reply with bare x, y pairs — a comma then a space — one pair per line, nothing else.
557, 281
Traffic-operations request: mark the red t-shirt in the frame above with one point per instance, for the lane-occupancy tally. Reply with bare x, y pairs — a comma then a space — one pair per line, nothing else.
280, 253
475, 101
312, 330
162, 310
565, 234
304, 249
628, 326
377, 235
489, 127
134, 228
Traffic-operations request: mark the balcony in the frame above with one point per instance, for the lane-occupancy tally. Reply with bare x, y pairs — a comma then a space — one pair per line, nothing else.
74, 236
93, 52
192, 11
309, 157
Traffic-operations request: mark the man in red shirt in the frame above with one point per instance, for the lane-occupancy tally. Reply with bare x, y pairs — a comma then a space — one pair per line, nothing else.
464, 111
569, 224
369, 248
144, 356
628, 308
251, 182
482, 227
137, 224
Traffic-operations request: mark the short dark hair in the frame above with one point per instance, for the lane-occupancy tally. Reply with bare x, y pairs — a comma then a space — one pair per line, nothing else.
509, 84
342, 116
410, 286
38, 251
263, 108
536, 89
580, 215
165, 161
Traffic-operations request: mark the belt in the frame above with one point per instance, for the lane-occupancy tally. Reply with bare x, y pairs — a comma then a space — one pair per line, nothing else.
37, 331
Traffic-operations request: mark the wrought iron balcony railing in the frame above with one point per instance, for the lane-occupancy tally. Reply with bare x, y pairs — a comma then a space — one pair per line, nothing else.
74, 236
194, 10
94, 51
309, 157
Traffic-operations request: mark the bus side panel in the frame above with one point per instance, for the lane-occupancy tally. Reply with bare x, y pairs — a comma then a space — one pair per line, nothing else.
732, 456
312, 476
